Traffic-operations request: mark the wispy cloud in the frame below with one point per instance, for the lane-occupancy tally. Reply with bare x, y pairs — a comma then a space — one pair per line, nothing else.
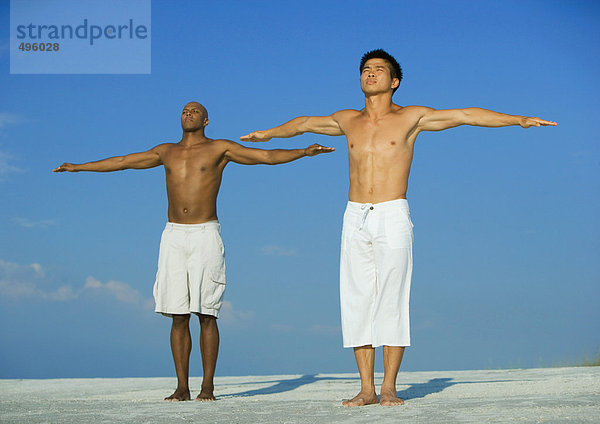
28, 223
5, 166
30, 282
19, 282
19, 271
234, 317
30, 290
10, 119
274, 250
27, 281
120, 291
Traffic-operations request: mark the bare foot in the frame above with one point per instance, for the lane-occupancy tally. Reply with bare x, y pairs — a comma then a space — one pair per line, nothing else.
389, 398
206, 395
361, 399
179, 395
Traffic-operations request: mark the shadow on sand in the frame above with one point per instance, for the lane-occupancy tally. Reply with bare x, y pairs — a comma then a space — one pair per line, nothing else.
281, 386
415, 391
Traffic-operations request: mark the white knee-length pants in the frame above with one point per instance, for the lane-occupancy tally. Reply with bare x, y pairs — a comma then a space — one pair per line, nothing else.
375, 274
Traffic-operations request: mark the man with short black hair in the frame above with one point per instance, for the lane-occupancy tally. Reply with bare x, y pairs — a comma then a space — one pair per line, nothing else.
377, 236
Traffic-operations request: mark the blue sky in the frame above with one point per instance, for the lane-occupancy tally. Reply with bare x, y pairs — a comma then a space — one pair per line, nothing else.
506, 220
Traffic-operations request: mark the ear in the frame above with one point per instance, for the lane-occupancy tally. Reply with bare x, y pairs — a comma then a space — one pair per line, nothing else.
205, 121
395, 82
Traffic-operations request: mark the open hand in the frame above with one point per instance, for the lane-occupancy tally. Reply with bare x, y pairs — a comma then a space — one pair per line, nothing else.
527, 122
65, 167
316, 149
255, 136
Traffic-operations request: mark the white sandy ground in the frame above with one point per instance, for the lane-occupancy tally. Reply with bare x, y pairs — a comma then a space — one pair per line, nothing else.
551, 395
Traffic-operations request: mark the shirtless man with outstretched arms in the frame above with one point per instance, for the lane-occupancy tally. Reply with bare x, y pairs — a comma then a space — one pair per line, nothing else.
191, 268
376, 252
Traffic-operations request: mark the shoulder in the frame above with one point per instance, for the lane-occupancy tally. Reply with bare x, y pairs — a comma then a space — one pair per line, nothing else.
225, 143
413, 114
345, 114
163, 148
415, 110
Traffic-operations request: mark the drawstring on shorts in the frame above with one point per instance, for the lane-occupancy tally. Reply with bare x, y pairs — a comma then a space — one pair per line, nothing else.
366, 207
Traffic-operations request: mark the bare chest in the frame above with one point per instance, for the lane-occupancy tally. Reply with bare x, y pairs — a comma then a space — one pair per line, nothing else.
383, 138
190, 162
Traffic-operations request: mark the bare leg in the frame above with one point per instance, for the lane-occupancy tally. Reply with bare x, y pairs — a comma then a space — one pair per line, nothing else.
181, 346
392, 358
209, 348
365, 359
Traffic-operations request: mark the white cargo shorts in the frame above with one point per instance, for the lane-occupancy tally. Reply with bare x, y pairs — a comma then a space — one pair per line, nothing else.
191, 270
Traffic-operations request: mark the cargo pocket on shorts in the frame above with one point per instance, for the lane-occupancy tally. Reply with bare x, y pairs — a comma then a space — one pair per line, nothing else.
399, 230
213, 288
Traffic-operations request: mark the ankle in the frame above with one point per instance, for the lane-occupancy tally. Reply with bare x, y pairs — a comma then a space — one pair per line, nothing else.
388, 388
367, 390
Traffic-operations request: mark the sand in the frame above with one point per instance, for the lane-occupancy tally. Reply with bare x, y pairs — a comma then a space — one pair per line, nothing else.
551, 395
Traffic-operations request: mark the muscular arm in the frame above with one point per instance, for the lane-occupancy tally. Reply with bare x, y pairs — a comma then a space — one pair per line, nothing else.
437, 120
326, 125
142, 160
246, 156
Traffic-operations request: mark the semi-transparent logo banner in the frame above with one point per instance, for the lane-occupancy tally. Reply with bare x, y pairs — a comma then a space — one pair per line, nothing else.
80, 37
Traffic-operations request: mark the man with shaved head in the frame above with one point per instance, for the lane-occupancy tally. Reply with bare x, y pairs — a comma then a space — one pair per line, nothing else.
191, 265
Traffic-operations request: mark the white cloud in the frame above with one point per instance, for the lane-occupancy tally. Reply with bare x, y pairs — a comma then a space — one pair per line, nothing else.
6, 167
20, 271
28, 223
22, 282
233, 317
273, 250
120, 291
30, 282
12, 289
38, 269
9, 119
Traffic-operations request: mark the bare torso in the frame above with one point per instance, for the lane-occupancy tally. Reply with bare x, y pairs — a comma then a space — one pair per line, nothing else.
380, 152
193, 175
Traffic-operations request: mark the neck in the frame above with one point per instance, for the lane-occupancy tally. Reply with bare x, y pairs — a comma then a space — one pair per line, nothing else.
377, 105
193, 137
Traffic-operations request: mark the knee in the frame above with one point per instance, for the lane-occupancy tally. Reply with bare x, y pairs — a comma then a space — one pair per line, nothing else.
181, 321
208, 321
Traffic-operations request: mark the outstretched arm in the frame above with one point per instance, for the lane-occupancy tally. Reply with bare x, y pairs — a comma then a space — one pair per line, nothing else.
142, 160
437, 120
327, 125
247, 156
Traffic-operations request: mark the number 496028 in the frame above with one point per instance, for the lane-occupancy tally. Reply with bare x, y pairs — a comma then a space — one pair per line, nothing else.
39, 47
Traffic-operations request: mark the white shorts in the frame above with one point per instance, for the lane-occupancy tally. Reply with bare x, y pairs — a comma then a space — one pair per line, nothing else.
191, 270
375, 272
